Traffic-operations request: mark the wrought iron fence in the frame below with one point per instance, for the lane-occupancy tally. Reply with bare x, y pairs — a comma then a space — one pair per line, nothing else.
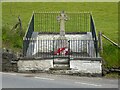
94, 36
76, 22
39, 48
46, 22
28, 34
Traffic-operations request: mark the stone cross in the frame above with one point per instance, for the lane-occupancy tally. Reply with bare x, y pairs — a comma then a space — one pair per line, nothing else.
62, 18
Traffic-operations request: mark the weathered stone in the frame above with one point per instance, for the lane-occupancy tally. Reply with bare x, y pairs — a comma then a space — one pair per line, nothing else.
86, 66
62, 18
7, 59
27, 65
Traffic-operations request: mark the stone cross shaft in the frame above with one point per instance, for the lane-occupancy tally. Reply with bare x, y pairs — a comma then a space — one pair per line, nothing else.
62, 18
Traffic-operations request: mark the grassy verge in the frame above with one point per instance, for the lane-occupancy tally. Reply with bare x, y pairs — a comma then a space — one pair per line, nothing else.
112, 75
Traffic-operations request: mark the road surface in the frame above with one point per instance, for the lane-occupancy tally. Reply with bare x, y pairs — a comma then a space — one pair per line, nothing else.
18, 80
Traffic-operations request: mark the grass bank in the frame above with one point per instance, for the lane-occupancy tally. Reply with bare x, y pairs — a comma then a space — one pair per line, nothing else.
105, 17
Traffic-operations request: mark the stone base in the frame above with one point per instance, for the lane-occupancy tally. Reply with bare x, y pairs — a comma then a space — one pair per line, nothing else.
86, 66
77, 67
34, 65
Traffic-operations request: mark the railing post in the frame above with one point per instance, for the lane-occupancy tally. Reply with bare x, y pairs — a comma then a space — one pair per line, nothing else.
23, 49
28, 34
94, 36
100, 42
69, 50
53, 50
96, 46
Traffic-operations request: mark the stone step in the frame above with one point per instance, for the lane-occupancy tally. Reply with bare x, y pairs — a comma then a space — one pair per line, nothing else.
61, 61
61, 66
58, 68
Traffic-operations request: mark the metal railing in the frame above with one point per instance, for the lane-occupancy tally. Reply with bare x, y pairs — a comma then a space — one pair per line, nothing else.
76, 22
28, 34
60, 48
46, 23
94, 36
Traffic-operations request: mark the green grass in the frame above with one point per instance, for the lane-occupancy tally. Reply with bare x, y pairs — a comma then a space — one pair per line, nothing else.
112, 75
76, 22
105, 16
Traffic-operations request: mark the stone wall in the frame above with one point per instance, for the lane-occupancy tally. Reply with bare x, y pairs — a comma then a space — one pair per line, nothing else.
36, 65
9, 61
86, 66
81, 66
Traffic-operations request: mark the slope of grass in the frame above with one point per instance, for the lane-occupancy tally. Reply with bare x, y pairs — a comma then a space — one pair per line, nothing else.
105, 17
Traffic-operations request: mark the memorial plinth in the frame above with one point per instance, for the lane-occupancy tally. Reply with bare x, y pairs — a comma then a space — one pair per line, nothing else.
61, 41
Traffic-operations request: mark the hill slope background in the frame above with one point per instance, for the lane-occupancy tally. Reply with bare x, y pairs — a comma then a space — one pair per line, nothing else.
105, 16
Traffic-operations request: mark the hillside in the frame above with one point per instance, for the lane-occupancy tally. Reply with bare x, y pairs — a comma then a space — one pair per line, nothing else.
105, 17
